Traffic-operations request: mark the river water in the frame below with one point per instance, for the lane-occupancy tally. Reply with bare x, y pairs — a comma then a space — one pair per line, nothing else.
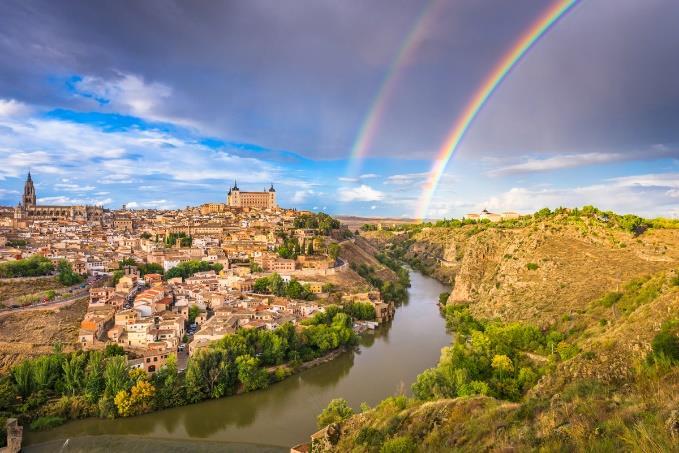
284, 414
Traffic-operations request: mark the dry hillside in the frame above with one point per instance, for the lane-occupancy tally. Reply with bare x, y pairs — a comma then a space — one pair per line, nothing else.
605, 385
35, 332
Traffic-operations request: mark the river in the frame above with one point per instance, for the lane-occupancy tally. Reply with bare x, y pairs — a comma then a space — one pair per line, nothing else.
284, 414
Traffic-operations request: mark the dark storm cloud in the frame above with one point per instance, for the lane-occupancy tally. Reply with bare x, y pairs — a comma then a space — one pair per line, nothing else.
604, 80
301, 75
289, 75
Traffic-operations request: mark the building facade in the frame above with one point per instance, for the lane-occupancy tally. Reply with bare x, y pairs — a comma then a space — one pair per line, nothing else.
28, 209
262, 200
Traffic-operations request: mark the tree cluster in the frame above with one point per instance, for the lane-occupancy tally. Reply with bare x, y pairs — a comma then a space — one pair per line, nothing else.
274, 284
33, 266
188, 268
321, 222
396, 292
487, 358
53, 388
184, 240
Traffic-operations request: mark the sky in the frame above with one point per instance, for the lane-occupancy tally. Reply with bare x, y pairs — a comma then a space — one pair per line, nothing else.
163, 104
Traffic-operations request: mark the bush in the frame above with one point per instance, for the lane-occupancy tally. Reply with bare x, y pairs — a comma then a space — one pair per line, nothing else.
337, 410
46, 422
531, 266
609, 299
666, 343
370, 437
403, 444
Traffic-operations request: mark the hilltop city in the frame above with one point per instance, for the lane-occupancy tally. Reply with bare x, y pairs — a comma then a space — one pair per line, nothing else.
170, 282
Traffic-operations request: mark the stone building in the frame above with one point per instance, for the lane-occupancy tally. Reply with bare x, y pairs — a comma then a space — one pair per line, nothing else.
29, 210
263, 200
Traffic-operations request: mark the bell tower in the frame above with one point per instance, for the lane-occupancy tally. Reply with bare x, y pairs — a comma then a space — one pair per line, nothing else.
28, 200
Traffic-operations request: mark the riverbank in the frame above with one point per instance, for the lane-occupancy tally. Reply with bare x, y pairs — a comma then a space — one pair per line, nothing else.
284, 413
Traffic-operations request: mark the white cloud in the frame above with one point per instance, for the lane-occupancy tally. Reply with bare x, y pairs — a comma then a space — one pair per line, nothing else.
648, 195
360, 193
301, 196
13, 108
123, 157
70, 187
151, 204
62, 200
556, 163
407, 179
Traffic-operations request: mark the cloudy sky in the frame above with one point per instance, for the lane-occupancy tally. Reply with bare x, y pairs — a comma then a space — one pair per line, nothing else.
163, 104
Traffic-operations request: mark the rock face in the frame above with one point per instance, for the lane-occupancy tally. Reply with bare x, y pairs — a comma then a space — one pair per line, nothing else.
536, 272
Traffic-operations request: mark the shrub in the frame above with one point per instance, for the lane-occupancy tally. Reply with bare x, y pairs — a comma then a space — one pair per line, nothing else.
403, 444
370, 437
666, 343
46, 422
337, 410
531, 266
609, 299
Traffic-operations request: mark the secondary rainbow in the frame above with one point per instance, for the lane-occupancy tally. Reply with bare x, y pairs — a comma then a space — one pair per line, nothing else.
372, 119
491, 83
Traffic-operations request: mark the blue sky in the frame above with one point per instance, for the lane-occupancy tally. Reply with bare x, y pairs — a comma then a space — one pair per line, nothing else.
155, 104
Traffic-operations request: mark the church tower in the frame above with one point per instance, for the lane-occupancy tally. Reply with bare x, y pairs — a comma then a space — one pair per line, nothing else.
28, 200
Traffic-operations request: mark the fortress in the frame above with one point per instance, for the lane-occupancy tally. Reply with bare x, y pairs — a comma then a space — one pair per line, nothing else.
28, 209
262, 200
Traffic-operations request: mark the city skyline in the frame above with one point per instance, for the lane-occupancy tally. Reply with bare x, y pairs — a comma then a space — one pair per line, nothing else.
92, 102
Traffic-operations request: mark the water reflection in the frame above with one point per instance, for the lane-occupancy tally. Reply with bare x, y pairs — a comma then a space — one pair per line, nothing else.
285, 413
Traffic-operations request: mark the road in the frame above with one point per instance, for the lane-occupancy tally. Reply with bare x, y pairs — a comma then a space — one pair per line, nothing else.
52, 305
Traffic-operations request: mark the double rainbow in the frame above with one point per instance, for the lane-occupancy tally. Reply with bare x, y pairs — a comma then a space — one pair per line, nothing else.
461, 125
371, 122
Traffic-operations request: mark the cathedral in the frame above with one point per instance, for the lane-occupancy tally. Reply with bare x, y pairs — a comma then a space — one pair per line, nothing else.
28, 209
262, 200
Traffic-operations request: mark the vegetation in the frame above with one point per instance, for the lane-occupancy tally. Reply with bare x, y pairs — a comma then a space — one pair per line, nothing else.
274, 284
360, 310
17, 243
143, 268
65, 274
33, 266
321, 222
51, 389
487, 358
194, 311
390, 291
607, 382
184, 240
336, 411
188, 268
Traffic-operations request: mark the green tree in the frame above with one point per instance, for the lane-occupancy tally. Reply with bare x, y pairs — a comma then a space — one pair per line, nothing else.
250, 374
66, 276
23, 378
336, 411
112, 349
45, 372
95, 383
194, 311
116, 377
74, 373
209, 375
334, 250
